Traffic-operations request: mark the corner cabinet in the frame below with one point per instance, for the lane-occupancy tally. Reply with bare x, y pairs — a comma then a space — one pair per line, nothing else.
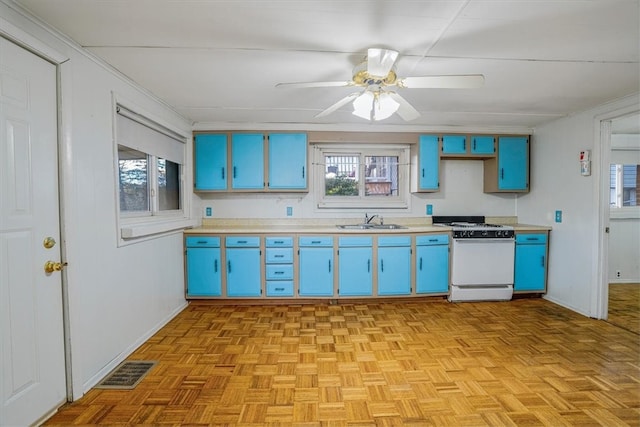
287, 161
203, 266
531, 262
509, 172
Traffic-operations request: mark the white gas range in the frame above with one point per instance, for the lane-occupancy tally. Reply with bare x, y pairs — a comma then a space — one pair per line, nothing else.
482, 261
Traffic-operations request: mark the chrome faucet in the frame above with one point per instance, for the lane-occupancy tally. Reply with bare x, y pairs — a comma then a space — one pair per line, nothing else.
368, 219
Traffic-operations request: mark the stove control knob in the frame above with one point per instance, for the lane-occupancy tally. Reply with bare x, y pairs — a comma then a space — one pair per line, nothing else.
498, 233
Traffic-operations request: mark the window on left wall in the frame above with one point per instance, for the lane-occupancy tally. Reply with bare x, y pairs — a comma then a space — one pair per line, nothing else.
150, 176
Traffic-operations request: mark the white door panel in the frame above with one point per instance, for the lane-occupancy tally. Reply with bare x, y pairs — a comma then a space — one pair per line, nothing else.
31, 328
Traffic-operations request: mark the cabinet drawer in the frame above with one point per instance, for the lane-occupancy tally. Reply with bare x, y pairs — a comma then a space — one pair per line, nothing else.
279, 255
344, 242
394, 241
531, 239
315, 241
279, 272
275, 242
280, 289
242, 242
432, 239
202, 242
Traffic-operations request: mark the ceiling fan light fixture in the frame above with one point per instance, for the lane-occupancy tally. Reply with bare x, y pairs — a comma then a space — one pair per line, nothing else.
384, 106
363, 105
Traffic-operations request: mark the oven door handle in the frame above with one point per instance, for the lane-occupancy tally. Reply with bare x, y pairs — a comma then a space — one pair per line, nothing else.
484, 240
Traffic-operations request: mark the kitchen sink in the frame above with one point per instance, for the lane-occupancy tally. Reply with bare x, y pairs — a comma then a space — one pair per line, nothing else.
355, 226
371, 227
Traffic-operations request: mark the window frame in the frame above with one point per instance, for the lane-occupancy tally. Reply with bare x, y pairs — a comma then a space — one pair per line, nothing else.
141, 225
362, 201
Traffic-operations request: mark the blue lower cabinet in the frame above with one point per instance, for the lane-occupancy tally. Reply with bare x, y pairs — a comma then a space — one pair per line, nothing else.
315, 261
243, 267
394, 265
204, 270
530, 263
279, 266
432, 264
355, 272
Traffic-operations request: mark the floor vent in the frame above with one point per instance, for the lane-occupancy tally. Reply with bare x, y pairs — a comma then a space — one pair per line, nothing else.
127, 375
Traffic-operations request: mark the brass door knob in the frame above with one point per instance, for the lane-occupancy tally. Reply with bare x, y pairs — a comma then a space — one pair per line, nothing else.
49, 242
51, 266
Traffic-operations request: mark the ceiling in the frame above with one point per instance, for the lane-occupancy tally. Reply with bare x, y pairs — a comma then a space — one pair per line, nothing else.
217, 62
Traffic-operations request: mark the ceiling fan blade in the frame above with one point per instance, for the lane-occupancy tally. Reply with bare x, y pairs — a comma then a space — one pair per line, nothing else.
315, 84
338, 104
443, 82
405, 110
380, 61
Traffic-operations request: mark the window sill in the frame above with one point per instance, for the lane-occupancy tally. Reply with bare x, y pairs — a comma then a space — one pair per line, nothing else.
136, 230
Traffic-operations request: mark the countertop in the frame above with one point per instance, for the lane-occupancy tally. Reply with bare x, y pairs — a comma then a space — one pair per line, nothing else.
265, 226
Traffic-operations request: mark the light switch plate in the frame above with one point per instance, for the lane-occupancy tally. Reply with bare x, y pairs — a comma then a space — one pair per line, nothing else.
289, 211
429, 209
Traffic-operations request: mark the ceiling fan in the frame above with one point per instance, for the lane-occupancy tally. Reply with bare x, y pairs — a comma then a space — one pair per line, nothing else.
376, 76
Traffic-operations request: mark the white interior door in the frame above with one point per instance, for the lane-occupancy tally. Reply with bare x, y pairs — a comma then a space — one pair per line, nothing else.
31, 321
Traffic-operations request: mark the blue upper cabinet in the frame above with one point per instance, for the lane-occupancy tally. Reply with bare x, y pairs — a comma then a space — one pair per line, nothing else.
210, 162
426, 165
288, 161
510, 173
454, 144
484, 144
247, 161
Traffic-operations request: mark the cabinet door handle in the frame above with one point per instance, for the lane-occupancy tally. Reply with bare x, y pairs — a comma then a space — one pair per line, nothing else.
423, 172
474, 144
542, 261
278, 272
222, 173
501, 173
368, 265
279, 289
329, 266
278, 256
303, 172
202, 242
464, 145
215, 266
242, 242
433, 240
234, 171
420, 264
278, 242
382, 265
229, 266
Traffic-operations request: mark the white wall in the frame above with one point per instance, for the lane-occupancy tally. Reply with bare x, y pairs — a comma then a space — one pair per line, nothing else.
118, 296
556, 184
460, 194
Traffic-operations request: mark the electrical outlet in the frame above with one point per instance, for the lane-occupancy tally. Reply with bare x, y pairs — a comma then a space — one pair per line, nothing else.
558, 216
429, 209
208, 212
289, 211
618, 274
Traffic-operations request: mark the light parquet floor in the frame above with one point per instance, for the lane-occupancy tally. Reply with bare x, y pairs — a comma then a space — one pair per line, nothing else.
624, 306
419, 363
